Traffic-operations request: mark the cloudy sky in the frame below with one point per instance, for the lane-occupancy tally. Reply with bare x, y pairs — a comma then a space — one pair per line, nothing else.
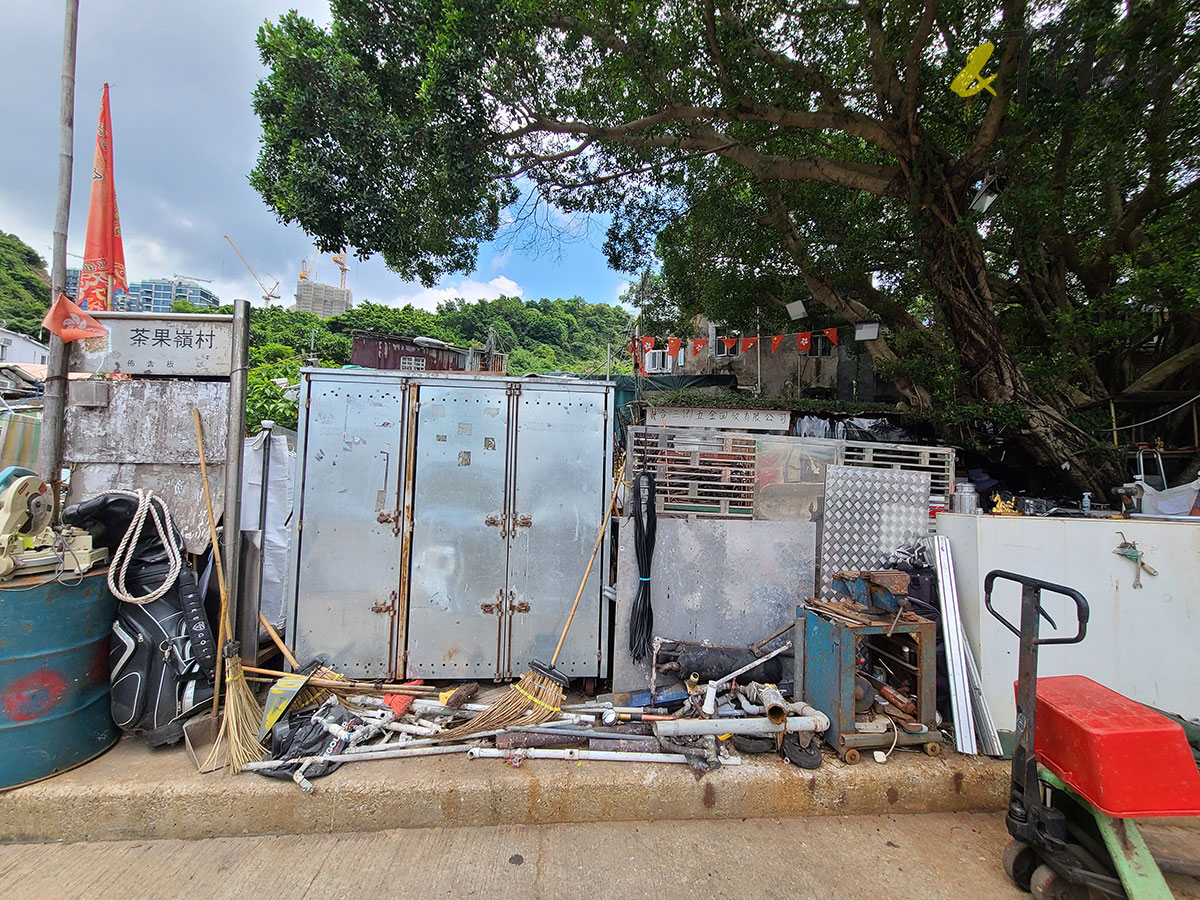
180, 77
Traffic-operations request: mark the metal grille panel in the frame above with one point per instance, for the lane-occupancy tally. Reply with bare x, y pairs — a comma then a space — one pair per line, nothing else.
698, 472
869, 513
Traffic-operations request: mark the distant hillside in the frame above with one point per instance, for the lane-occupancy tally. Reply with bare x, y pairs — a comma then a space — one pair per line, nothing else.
24, 286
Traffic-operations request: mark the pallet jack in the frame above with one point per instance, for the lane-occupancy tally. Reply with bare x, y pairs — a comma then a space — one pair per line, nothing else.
1099, 761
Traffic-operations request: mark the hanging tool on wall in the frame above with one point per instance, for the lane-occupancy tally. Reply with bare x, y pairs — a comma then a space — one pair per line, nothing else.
1129, 550
645, 524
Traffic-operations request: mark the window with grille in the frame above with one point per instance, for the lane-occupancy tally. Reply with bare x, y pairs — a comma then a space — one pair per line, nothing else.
412, 363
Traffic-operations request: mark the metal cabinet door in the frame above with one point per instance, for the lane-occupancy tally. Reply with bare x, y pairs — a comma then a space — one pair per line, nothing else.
459, 539
348, 564
559, 496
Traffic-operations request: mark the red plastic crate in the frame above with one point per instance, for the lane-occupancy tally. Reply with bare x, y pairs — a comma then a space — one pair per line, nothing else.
1123, 757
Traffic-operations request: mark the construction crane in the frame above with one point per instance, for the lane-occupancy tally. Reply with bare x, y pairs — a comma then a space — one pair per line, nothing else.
340, 259
267, 296
308, 269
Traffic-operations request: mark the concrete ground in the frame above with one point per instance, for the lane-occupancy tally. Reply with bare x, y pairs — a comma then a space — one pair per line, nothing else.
134, 793
946, 856
935, 857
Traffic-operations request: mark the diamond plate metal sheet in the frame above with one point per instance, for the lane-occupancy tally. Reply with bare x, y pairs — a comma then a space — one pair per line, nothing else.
868, 514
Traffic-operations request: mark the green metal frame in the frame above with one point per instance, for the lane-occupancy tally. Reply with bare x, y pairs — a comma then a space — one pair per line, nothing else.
1135, 865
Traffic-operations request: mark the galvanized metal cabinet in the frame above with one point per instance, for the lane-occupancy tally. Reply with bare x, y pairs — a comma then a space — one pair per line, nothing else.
559, 489
457, 601
445, 522
345, 589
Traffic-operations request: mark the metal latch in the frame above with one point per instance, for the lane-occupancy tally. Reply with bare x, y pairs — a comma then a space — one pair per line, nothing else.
521, 522
523, 606
389, 608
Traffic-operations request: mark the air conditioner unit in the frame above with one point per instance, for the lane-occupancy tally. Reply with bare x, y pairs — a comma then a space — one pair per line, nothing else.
656, 361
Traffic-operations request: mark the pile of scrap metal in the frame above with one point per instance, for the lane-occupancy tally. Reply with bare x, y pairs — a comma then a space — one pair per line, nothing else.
313, 724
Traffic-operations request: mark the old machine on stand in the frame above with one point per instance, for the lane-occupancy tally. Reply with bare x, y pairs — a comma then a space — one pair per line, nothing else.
870, 663
28, 544
1097, 761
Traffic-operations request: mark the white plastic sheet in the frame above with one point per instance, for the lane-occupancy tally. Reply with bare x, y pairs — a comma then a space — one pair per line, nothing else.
274, 525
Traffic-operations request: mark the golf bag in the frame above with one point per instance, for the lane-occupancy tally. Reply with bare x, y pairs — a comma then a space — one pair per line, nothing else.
162, 656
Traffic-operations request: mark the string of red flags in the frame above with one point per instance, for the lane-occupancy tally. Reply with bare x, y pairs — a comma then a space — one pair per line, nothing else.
695, 346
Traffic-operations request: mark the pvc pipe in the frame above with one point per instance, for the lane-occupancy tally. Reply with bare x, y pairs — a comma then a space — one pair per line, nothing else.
710, 695
593, 755
681, 727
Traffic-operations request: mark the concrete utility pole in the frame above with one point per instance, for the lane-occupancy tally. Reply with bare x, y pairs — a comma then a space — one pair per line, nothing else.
50, 447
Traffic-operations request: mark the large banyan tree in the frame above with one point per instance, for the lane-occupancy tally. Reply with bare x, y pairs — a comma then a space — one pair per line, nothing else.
763, 151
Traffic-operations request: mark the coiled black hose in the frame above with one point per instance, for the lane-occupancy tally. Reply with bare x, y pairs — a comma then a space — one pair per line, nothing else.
645, 523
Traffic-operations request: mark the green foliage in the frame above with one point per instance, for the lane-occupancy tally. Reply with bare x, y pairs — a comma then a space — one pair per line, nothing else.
539, 336
24, 286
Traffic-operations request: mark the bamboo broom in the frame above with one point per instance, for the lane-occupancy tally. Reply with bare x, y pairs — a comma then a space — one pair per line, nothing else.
538, 696
239, 725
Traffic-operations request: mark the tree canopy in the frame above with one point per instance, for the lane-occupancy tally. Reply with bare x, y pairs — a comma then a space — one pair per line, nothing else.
763, 150
24, 286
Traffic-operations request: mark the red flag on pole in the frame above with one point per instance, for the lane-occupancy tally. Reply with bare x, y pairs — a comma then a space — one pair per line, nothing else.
70, 322
647, 344
672, 346
747, 343
729, 343
803, 341
103, 269
831, 333
699, 344
776, 340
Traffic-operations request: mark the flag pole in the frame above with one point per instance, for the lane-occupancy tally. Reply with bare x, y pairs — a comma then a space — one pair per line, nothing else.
50, 445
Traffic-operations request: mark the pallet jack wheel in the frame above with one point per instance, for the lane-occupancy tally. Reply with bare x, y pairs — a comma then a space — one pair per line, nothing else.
851, 756
1046, 884
1020, 861
933, 748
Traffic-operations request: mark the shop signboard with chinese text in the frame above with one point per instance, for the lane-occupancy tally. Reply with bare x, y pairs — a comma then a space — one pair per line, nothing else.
704, 417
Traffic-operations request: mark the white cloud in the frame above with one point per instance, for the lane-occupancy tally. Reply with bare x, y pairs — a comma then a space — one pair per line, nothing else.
467, 288
622, 287
500, 261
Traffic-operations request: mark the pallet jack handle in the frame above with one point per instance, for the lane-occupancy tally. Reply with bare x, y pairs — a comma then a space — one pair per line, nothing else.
1028, 819
1031, 588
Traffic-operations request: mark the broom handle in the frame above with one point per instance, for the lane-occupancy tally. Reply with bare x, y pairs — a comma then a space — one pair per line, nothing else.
279, 644
612, 502
222, 628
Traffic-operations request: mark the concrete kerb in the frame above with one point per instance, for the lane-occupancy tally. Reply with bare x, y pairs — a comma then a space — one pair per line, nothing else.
133, 793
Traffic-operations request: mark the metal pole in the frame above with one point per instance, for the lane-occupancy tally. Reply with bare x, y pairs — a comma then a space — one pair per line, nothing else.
608, 367
50, 448
246, 618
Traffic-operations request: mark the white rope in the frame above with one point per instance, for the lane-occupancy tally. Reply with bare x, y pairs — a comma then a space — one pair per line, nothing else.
119, 566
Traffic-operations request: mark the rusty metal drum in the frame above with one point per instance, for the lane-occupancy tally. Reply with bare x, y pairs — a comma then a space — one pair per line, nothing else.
54, 699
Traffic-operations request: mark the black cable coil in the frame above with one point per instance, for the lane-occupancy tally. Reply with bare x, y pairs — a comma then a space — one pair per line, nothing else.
645, 523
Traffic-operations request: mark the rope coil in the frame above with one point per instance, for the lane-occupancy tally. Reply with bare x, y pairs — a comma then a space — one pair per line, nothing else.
119, 566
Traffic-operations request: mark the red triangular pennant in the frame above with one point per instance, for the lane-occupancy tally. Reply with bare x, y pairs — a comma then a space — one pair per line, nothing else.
804, 341
647, 344
831, 333
699, 344
747, 343
70, 322
729, 343
673, 346
776, 340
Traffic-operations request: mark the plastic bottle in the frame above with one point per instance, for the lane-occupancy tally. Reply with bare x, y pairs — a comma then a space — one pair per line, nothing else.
1087, 501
